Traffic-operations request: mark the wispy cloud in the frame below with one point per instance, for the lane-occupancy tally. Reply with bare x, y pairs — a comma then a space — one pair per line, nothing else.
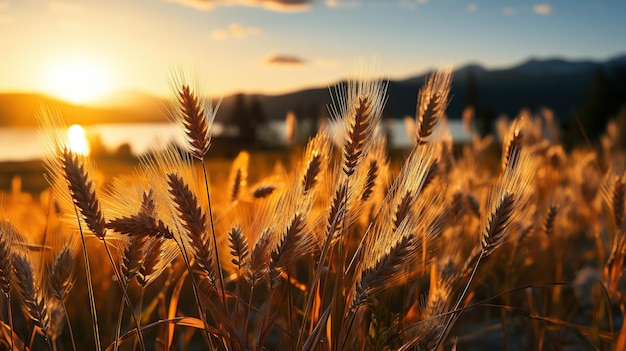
284, 59
275, 5
472, 7
542, 9
235, 30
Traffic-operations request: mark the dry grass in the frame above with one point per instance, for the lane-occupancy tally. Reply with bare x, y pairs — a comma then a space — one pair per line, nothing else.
345, 250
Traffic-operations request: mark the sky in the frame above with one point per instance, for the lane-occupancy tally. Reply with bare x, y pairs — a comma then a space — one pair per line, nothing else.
82, 49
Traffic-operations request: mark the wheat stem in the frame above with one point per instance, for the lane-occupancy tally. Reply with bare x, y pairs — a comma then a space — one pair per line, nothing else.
10, 312
142, 344
455, 314
92, 301
217, 254
207, 338
119, 325
69, 326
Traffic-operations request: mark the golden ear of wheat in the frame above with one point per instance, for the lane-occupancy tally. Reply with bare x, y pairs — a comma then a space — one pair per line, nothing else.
140, 224
193, 220
338, 206
263, 191
194, 121
259, 258
386, 272
152, 261
30, 292
238, 244
403, 209
313, 168
359, 109
498, 222
132, 256
548, 223
359, 131
295, 243
62, 273
315, 160
512, 145
617, 200
83, 192
238, 178
433, 99
192, 109
370, 179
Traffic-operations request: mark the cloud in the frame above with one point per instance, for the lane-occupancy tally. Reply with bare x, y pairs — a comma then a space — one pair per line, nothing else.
542, 9
422, 2
235, 30
284, 59
5, 5
507, 10
472, 7
275, 5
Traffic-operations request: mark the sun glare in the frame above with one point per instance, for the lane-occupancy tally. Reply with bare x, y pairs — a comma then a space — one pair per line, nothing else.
77, 140
78, 81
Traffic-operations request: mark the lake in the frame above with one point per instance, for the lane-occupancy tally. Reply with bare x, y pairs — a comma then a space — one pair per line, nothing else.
22, 144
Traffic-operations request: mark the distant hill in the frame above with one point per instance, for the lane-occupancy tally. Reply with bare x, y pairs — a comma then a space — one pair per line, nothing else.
20, 110
558, 84
562, 85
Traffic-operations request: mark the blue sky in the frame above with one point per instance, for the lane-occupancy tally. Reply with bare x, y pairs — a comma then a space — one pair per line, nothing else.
275, 46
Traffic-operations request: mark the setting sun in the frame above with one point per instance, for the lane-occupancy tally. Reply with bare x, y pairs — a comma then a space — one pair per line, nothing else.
78, 81
77, 140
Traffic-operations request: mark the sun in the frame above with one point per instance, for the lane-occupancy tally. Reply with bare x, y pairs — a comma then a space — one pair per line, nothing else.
77, 141
78, 81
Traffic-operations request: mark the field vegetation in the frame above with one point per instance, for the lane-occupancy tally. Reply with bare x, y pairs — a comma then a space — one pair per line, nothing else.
510, 242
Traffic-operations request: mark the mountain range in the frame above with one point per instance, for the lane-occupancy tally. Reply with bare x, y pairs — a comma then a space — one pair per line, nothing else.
561, 85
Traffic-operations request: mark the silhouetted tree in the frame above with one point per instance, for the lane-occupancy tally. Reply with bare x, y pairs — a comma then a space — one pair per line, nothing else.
605, 97
241, 118
256, 117
484, 115
597, 107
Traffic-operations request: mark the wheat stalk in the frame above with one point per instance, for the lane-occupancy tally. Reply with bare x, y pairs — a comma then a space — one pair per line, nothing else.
197, 119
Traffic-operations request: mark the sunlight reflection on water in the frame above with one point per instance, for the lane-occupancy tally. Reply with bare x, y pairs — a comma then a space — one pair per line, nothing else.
21, 144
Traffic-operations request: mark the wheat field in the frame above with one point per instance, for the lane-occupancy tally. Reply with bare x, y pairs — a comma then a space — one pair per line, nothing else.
510, 242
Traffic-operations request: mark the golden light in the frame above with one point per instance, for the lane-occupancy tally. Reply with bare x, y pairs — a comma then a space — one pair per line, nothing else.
77, 140
78, 81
